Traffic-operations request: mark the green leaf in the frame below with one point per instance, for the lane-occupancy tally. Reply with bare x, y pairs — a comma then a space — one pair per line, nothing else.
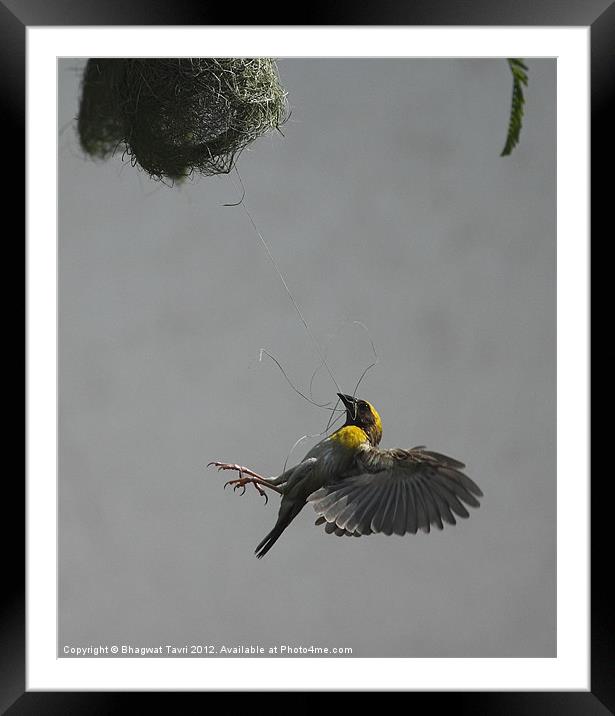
519, 73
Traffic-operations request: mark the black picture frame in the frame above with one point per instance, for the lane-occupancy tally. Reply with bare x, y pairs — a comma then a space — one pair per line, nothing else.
15, 17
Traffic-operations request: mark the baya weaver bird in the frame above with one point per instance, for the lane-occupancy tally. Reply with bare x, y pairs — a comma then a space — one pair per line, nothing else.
358, 488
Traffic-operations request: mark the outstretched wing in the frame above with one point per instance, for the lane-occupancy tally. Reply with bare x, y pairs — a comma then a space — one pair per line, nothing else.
414, 489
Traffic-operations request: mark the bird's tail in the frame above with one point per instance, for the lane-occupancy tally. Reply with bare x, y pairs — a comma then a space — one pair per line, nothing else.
283, 521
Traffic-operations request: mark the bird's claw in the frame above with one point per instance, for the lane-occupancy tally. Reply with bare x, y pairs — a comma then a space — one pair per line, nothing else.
242, 480
233, 466
225, 466
261, 492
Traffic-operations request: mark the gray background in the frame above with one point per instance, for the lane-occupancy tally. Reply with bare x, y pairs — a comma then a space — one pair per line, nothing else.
386, 202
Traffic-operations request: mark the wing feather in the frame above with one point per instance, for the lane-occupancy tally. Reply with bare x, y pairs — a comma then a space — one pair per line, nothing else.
459, 478
444, 509
392, 506
327, 499
383, 504
345, 517
361, 520
421, 512
401, 492
455, 487
433, 510
453, 502
412, 523
401, 509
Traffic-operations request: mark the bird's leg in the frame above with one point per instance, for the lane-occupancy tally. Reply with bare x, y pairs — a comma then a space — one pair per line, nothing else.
253, 478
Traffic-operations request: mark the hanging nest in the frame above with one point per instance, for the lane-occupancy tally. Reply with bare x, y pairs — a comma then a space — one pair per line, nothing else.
174, 117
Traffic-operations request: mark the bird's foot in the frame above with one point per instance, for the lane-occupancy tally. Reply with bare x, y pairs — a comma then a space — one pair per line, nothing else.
233, 466
242, 481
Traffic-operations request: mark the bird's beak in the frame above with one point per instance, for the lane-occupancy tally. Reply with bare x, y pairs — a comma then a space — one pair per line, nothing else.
349, 402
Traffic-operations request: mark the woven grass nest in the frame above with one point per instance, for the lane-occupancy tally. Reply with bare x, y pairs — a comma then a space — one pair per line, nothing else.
175, 117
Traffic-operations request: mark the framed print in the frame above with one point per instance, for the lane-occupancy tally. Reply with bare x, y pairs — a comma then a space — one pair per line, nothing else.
392, 223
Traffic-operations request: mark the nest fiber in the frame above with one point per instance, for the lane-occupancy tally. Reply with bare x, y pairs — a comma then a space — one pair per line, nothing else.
174, 117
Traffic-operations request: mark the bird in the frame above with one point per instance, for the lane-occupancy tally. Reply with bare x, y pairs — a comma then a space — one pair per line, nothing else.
358, 488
